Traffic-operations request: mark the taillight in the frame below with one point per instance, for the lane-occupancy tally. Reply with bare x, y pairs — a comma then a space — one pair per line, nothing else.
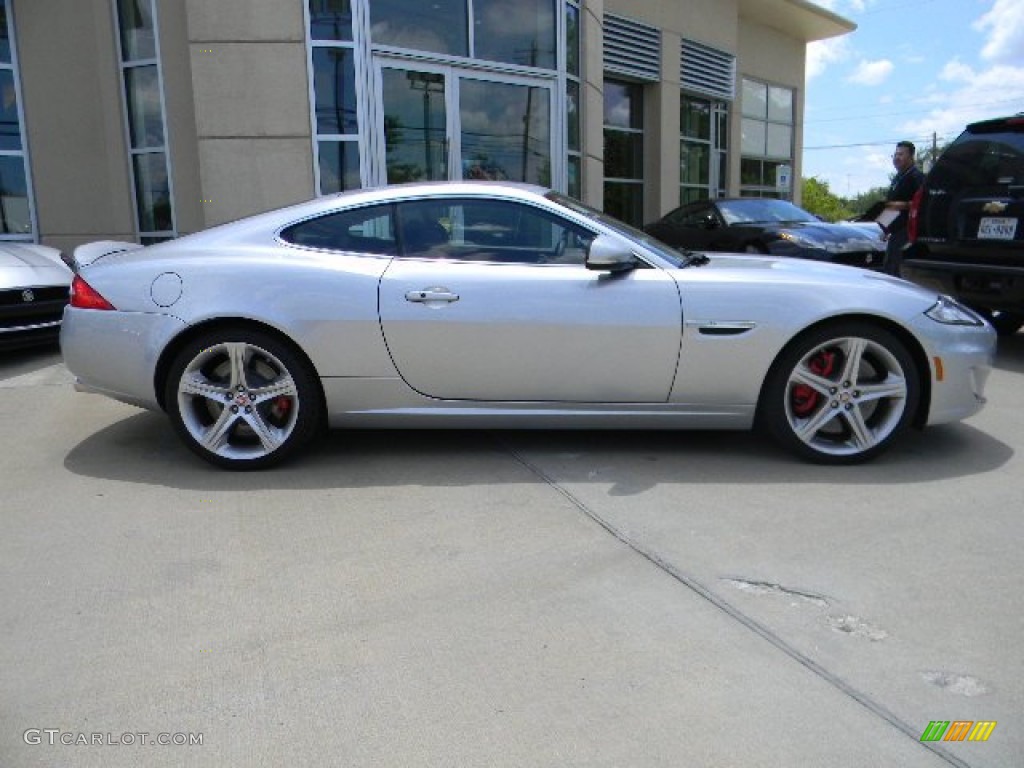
915, 210
84, 296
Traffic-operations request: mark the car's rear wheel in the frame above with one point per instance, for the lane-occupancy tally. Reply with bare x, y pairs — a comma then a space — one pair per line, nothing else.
1005, 323
242, 399
841, 394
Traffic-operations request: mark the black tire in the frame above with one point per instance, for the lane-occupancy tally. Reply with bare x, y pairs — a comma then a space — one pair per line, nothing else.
242, 399
1005, 323
840, 394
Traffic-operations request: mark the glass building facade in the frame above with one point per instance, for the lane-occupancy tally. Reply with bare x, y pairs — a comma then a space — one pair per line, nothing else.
222, 110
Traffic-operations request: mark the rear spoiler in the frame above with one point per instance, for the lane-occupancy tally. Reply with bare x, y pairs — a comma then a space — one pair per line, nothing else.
87, 254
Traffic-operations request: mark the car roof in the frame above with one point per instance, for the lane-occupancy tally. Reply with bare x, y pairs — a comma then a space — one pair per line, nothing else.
1013, 122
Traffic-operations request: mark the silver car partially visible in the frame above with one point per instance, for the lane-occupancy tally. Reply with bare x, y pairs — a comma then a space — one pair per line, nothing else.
34, 286
482, 305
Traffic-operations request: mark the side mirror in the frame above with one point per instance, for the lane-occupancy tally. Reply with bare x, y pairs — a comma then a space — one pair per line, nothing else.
709, 222
609, 254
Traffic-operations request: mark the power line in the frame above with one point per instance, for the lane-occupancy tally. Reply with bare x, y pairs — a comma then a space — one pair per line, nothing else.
919, 139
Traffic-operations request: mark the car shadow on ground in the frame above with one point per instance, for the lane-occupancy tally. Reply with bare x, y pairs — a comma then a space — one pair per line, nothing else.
143, 449
24, 360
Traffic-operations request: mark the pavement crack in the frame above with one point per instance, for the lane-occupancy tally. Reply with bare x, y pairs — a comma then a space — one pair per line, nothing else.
768, 588
762, 630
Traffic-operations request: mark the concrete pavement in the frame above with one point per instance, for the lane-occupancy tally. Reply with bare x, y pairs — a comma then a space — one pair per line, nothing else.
503, 599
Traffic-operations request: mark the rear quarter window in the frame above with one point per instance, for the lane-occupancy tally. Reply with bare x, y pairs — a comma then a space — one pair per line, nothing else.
981, 160
362, 230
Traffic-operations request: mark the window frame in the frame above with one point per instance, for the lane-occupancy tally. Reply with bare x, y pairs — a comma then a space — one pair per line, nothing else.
717, 146
766, 187
145, 236
621, 182
357, 45
14, 68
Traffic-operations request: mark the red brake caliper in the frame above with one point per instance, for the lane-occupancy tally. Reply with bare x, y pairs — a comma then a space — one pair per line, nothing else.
803, 398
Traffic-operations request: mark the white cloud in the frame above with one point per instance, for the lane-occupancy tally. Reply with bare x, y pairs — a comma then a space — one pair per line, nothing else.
821, 53
956, 71
975, 95
871, 72
1004, 24
844, 6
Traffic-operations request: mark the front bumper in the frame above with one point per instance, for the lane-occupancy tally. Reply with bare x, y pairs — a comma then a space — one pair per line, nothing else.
960, 359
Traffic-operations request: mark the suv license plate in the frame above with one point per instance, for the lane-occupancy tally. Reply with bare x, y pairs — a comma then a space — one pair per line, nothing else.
997, 228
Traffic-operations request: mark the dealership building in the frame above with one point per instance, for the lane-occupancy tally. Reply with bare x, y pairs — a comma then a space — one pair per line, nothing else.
143, 120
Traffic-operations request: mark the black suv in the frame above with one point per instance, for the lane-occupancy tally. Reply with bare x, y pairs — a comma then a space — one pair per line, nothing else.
965, 228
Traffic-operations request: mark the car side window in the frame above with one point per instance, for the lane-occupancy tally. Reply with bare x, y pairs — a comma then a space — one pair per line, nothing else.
489, 231
697, 217
360, 230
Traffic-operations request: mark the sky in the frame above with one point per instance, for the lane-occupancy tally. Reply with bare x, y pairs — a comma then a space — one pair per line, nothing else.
913, 69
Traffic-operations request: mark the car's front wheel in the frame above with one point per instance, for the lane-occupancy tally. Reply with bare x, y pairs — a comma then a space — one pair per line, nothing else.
242, 399
841, 394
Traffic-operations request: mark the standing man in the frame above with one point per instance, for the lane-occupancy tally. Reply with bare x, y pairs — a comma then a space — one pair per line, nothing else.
908, 180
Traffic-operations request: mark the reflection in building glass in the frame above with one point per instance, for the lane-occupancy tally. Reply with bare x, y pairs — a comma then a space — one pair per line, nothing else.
330, 19
429, 83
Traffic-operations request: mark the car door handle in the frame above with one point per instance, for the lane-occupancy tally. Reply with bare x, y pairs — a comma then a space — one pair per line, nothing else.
431, 294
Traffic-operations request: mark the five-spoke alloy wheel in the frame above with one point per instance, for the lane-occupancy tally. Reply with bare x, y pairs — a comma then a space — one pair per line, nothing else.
841, 394
242, 399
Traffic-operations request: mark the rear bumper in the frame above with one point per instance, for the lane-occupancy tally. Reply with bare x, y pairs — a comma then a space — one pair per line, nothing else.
115, 353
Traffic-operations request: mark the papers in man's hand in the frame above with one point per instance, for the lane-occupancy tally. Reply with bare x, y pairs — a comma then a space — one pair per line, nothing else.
886, 217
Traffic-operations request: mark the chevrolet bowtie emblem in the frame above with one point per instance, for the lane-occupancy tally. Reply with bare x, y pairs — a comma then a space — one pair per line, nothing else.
994, 207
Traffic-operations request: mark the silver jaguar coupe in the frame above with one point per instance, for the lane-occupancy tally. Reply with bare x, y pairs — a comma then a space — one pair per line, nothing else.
493, 305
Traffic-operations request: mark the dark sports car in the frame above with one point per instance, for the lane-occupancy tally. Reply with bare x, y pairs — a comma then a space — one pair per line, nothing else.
764, 225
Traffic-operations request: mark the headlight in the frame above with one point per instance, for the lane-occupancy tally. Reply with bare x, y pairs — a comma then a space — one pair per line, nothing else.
802, 240
950, 312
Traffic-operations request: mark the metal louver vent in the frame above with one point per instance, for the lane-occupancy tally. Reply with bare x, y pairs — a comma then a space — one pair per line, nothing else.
631, 48
707, 70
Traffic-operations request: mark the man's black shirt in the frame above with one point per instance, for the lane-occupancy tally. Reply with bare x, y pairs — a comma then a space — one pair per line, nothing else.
902, 190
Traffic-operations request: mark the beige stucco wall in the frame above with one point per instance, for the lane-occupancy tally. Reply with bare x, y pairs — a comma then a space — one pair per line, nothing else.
711, 22
592, 115
176, 66
251, 106
74, 120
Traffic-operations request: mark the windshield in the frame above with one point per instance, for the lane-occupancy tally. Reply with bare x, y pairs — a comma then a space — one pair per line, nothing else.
761, 210
670, 255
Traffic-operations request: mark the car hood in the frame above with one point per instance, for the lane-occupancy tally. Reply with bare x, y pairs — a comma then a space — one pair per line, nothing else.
833, 237
27, 264
804, 272
776, 291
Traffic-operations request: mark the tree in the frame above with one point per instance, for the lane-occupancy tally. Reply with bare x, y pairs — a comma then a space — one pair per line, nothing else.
927, 155
819, 200
865, 200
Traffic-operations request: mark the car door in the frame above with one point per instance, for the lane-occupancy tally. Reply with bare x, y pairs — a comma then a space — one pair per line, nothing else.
490, 300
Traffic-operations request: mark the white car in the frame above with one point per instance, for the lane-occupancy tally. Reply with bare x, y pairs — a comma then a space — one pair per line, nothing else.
34, 289
483, 305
